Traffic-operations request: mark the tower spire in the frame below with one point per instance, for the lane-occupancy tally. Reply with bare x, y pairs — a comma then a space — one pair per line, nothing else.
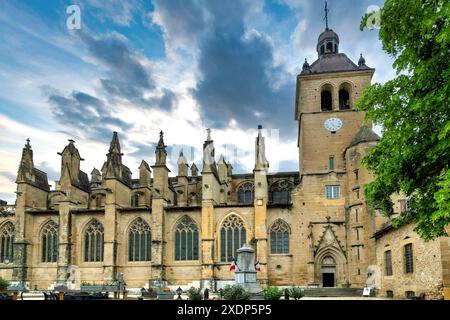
161, 152
326, 15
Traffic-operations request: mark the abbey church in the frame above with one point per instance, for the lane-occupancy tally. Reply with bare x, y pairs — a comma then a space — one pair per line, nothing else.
309, 228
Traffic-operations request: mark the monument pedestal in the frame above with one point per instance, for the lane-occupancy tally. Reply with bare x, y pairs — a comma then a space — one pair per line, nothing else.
245, 275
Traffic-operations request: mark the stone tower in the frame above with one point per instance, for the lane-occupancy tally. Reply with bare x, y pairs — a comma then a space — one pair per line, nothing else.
330, 130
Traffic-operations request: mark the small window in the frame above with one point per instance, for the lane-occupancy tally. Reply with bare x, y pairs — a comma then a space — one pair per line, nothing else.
409, 265
135, 200
332, 192
410, 294
388, 262
322, 49
356, 174
329, 47
357, 233
356, 215
390, 294
331, 163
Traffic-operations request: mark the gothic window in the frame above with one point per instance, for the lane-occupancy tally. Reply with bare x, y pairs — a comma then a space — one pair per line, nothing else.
140, 241
280, 192
186, 240
388, 262
409, 265
344, 100
49, 242
93, 242
245, 193
232, 236
326, 100
7, 242
279, 237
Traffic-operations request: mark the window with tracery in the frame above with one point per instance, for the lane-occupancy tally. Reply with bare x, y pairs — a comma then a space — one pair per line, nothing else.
186, 240
279, 237
49, 242
93, 242
7, 242
245, 193
232, 236
140, 241
280, 192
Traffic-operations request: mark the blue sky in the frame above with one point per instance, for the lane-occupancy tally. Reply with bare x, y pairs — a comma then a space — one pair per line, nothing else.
181, 66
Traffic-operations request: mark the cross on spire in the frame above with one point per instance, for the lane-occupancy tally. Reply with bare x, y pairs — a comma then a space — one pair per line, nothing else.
326, 14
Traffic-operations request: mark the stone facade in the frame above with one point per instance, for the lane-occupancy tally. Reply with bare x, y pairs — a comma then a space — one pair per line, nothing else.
311, 227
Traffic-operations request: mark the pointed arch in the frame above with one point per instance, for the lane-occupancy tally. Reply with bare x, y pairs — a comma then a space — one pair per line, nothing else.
280, 192
279, 237
139, 241
93, 241
49, 241
6, 242
233, 235
245, 192
186, 239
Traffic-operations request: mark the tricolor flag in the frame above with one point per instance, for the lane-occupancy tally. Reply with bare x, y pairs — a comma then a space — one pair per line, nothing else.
257, 266
233, 264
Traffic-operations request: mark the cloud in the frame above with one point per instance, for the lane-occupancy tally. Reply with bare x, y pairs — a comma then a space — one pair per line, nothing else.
118, 11
238, 81
85, 113
8, 175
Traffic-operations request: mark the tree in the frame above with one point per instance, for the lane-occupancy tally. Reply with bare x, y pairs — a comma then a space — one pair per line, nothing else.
413, 154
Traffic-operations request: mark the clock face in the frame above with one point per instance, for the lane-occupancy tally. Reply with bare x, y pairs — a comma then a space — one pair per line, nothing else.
333, 124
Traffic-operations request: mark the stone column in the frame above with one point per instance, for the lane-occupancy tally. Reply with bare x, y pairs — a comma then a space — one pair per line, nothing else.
158, 276
207, 243
109, 224
64, 242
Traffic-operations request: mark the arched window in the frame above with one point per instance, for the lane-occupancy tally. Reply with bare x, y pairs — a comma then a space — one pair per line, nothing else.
232, 236
186, 240
7, 242
135, 200
280, 192
322, 49
344, 100
140, 241
49, 242
245, 193
326, 101
93, 242
279, 237
329, 47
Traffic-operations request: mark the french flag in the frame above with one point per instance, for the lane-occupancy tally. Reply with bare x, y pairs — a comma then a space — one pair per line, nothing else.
257, 266
233, 264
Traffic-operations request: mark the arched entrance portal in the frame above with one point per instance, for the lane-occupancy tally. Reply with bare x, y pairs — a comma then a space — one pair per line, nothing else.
328, 270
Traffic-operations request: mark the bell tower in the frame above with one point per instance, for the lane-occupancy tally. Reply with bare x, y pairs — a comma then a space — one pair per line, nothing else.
326, 93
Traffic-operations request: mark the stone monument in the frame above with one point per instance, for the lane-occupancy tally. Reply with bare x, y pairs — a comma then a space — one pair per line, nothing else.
245, 274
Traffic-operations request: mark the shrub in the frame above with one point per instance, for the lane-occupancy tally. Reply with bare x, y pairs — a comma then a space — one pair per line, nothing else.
296, 293
272, 293
3, 284
235, 292
194, 294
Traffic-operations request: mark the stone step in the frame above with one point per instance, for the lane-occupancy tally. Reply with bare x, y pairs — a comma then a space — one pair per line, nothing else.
333, 292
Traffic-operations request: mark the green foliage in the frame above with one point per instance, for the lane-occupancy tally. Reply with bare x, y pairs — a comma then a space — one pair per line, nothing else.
235, 292
272, 293
296, 293
3, 284
194, 294
413, 155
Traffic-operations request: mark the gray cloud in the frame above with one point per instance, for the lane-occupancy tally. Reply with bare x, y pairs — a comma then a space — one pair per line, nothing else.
84, 112
236, 69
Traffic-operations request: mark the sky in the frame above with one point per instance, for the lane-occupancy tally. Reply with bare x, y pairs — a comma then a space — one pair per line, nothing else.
181, 66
